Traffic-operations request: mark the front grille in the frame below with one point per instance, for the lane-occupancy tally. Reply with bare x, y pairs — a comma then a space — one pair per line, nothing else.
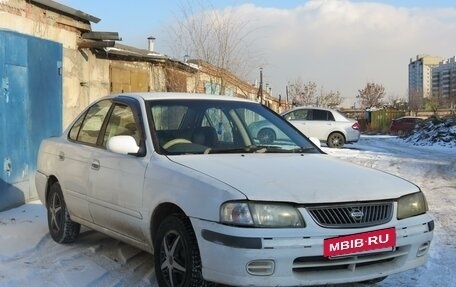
352, 215
323, 264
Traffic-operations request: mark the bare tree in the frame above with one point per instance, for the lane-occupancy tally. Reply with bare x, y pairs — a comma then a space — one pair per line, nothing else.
331, 99
302, 94
371, 95
216, 37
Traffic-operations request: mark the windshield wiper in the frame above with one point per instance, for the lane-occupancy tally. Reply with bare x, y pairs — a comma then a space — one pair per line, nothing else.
246, 149
252, 149
302, 149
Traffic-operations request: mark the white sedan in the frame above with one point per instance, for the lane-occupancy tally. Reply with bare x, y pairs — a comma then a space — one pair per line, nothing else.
329, 126
181, 176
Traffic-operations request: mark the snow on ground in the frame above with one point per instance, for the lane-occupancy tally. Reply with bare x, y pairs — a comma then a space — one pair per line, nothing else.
433, 168
29, 257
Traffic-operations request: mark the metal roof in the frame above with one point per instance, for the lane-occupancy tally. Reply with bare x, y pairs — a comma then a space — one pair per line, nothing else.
67, 10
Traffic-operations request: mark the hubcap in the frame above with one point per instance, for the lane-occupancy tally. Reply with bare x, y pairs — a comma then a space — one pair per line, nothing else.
172, 258
55, 209
337, 140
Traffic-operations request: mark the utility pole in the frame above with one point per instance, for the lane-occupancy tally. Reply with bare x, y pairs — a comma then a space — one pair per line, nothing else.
286, 91
260, 90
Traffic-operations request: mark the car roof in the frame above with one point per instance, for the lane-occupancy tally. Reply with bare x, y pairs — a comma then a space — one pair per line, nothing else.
411, 117
305, 107
178, 96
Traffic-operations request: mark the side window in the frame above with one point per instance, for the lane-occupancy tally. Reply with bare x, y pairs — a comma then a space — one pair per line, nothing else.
121, 122
298, 115
320, 115
331, 116
88, 126
289, 116
73, 135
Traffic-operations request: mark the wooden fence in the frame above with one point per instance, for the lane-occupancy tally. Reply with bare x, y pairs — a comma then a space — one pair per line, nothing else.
379, 121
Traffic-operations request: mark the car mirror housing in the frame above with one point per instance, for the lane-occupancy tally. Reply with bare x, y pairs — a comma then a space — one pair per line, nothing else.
122, 145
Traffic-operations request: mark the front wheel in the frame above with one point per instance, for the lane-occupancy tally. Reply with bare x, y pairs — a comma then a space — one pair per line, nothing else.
61, 227
336, 140
177, 258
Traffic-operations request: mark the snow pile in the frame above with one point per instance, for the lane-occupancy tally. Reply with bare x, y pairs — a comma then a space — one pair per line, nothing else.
434, 131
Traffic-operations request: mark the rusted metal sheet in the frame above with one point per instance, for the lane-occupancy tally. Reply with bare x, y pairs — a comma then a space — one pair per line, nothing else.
129, 78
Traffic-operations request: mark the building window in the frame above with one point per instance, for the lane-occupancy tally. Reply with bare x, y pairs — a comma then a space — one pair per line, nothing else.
211, 88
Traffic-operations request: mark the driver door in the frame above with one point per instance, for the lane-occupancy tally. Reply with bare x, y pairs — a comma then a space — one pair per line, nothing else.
299, 119
117, 179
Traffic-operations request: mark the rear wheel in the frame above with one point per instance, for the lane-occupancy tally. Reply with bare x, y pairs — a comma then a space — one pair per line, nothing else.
61, 227
177, 258
336, 140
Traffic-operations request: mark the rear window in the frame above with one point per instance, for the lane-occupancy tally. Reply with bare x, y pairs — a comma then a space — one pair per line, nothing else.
322, 115
88, 126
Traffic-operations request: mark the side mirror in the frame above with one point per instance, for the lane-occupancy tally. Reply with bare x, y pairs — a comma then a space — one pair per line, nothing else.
315, 141
122, 145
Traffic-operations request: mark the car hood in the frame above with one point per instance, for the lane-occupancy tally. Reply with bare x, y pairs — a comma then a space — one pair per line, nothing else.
307, 178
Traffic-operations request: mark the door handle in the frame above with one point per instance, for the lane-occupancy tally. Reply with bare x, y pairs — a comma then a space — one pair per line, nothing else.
61, 155
95, 165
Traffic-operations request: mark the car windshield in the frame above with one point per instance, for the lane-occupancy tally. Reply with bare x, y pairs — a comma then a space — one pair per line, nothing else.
222, 126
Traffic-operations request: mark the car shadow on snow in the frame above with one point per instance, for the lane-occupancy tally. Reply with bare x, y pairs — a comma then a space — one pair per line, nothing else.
124, 260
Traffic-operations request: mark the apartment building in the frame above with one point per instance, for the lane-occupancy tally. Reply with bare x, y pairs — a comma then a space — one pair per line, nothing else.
420, 79
444, 82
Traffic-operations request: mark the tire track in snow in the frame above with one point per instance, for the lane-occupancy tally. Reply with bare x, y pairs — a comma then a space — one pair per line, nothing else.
93, 260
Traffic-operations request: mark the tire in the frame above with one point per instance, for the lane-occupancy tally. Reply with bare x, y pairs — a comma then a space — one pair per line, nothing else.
336, 140
266, 136
61, 227
176, 254
374, 281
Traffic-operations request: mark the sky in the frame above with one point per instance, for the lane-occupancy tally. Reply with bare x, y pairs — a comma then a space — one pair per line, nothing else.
341, 45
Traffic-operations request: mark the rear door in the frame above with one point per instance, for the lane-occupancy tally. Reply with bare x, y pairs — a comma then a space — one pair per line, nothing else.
320, 124
76, 158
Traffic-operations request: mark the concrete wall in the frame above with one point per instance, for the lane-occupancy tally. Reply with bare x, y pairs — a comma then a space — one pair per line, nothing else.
78, 66
85, 79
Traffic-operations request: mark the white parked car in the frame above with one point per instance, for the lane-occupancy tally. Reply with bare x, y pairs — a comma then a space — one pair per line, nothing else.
181, 176
329, 126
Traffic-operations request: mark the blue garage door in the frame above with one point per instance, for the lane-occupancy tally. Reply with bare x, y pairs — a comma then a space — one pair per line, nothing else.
30, 110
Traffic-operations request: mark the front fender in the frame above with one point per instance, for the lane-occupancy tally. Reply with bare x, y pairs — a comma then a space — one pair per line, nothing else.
196, 193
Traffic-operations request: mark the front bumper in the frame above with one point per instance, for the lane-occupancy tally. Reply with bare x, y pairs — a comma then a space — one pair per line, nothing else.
294, 257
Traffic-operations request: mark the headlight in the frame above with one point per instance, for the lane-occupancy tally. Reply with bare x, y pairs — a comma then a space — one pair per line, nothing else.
411, 205
275, 215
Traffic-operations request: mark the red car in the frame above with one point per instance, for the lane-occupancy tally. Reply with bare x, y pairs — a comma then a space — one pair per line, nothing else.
404, 125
